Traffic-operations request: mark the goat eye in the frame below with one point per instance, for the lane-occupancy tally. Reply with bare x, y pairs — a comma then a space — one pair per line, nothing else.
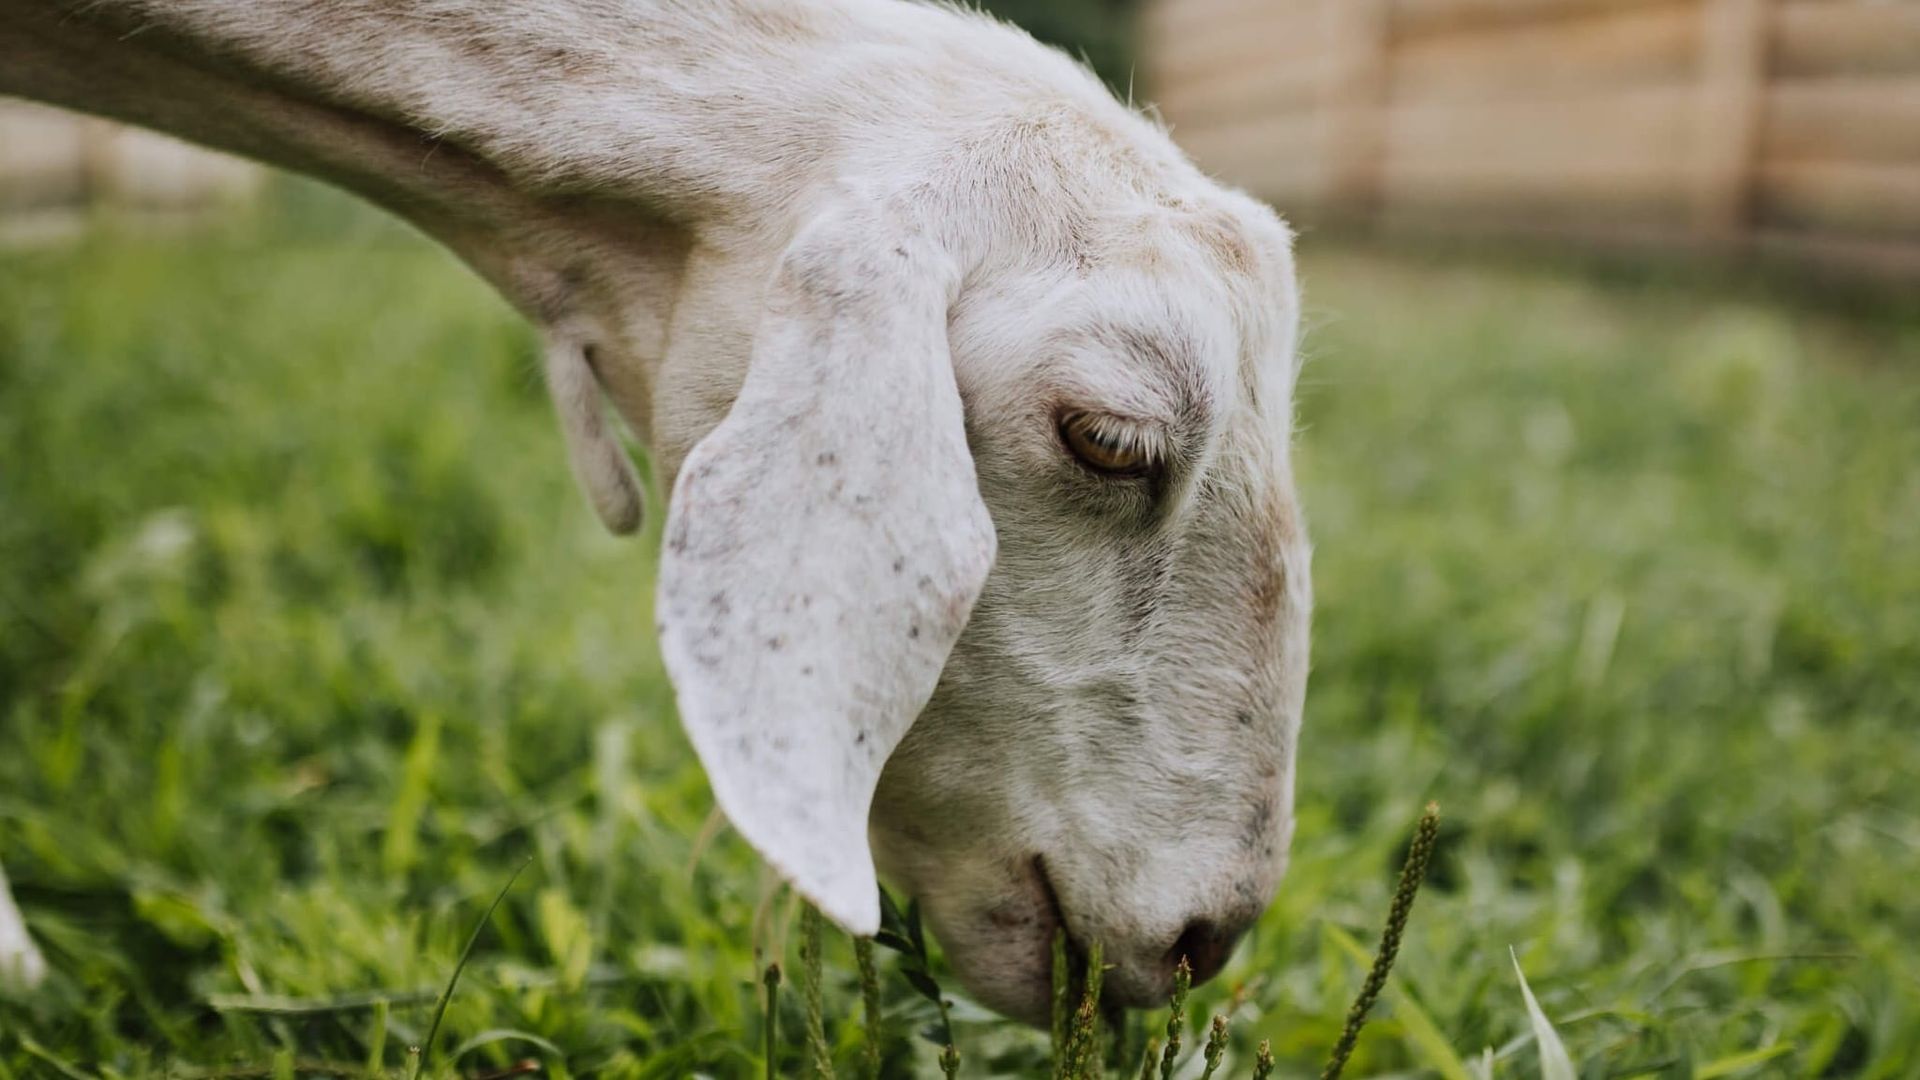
1104, 447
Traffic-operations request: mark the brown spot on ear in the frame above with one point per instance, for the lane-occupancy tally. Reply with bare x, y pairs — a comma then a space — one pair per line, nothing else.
1222, 238
1269, 594
1277, 530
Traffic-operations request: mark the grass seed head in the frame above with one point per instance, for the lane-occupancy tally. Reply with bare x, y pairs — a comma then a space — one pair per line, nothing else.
811, 978
1177, 1019
870, 1006
1216, 1046
1419, 854
1062, 1009
1084, 1038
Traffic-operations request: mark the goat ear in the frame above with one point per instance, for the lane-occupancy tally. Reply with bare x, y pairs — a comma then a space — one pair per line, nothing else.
600, 463
824, 547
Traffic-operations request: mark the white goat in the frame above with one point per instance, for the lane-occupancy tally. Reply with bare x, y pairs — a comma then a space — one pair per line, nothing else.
983, 559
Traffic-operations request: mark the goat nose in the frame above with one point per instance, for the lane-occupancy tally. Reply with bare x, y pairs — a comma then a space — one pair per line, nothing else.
1206, 945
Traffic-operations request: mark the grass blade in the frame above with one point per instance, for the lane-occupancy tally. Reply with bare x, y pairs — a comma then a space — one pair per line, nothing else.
51, 1059
369, 1000
1554, 1062
1734, 1063
399, 848
1417, 1029
440, 1009
377, 1041
493, 1036
1430, 1047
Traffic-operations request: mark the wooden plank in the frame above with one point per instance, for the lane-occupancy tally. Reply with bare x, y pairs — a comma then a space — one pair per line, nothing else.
1607, 49
1626, 197
1417, 18
49, 157
1275, 153
1571, 192
42, 156
1733, 62
1296, 133
1605, 158
1868, 199
152, 171
1245, 90
1649, 125
1886, 259
1276, 33
1176, 17
1814, 38
1286, 182
1860, 259
1624, 148
1865, 120
1792, 126
1351, 139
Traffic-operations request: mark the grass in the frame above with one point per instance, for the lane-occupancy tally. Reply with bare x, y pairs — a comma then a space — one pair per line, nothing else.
306, 643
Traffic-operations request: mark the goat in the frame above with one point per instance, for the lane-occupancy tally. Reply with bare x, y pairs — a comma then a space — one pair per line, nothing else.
983, 561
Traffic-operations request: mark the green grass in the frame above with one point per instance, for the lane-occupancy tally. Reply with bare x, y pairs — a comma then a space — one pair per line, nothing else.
306, 643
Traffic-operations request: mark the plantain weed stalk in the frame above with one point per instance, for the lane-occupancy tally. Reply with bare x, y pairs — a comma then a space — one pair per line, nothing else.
869, 1007
1177, 1017
1216, 1047
1062, 1010
814, 994
1083, 1036
1419, 854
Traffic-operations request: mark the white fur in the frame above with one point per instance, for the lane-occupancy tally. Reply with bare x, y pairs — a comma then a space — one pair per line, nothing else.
843, 265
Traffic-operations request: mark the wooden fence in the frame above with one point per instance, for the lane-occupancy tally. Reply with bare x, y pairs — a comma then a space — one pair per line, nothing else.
54, 164
1777, 125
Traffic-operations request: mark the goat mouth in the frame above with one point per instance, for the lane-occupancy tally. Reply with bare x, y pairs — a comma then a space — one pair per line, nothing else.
1077, 956
1056, 919
1055, 916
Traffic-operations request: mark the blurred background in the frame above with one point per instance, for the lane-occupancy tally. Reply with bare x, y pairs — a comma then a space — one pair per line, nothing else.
1610, 443
1787, 129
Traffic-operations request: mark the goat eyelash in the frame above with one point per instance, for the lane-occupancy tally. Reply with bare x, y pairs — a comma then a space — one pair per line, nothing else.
1111, 446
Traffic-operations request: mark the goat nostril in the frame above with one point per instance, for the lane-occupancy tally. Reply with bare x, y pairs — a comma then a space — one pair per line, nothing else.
1206, 947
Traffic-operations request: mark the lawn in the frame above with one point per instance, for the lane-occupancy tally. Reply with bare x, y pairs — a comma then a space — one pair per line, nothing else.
307, 642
